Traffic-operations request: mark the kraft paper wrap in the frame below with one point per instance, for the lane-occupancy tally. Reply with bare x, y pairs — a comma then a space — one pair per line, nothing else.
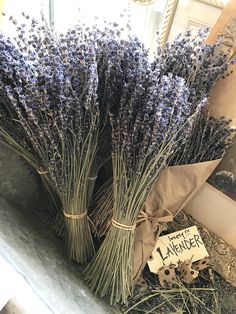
173, 190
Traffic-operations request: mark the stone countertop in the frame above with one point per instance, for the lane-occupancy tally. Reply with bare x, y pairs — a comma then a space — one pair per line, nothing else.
39, 257
19, 183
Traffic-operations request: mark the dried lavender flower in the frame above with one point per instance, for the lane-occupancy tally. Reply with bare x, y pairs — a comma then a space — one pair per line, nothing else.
49, 83
154, 117
189, 57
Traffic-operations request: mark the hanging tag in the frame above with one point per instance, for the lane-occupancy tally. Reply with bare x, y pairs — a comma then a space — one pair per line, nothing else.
182, 245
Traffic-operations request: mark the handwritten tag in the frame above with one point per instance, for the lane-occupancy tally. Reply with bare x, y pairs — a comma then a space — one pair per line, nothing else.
181, 245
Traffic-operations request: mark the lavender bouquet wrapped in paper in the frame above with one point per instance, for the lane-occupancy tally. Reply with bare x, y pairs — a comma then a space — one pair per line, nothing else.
201, 65
154, 117
196, 158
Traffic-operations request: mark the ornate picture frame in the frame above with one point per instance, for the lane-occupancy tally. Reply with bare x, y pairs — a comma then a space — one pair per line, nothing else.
194, 25
215, 3
224, 176
170, 12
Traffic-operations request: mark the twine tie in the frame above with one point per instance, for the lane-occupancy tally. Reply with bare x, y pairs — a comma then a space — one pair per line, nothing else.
122, 226
42, 172
92, 178
75, 216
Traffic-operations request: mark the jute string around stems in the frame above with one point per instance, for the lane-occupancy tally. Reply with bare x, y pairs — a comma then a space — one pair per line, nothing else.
70, 216
41, 173
92, 178
80, 216
75, 216
143, 216
122, 226
154, 217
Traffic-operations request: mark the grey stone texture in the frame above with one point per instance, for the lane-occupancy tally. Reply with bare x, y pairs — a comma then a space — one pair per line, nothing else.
38, 256
19, 183
32, 250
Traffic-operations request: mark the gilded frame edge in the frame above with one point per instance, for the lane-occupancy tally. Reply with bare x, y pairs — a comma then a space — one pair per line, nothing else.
214, 3
169, 14
167, 20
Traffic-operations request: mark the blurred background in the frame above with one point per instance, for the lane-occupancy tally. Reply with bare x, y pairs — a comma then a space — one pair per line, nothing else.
145, 17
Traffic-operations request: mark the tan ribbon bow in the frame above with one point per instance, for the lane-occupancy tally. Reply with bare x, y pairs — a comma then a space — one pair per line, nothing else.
146, 237
156, 218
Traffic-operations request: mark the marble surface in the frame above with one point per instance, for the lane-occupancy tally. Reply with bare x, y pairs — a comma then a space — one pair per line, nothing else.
36, 262
38, 257
16, 295
18, 181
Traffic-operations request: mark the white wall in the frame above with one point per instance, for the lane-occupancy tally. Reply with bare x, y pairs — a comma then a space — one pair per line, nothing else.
190, 9
216, 211
16, 7
144, 19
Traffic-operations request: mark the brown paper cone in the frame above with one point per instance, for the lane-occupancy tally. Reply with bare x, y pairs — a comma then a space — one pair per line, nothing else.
174, 189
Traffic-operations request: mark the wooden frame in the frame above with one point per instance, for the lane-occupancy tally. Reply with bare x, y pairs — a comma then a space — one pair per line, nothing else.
214, 3
167, 20
192, 23
170, 13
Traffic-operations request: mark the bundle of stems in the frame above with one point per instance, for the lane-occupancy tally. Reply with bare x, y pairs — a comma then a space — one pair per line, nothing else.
189, 57
49, 86
209, 140
101, 209
201, 66
153, 118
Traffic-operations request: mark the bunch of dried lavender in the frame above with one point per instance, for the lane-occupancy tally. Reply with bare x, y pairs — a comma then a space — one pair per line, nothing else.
154, 117
49, 82
113, 59
201, 66
208, 140
188, 56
